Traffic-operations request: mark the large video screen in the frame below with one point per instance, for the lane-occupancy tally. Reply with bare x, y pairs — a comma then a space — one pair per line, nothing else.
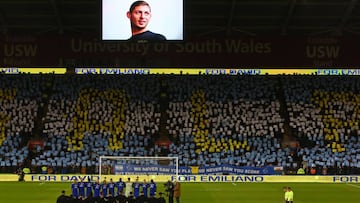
150, 20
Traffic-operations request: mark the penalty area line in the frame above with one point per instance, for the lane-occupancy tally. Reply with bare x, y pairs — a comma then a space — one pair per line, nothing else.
353, 185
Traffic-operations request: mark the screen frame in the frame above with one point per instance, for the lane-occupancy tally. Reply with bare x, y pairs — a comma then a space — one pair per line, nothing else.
160, 22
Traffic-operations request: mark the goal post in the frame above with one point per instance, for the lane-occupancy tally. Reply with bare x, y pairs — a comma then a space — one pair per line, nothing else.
144, 167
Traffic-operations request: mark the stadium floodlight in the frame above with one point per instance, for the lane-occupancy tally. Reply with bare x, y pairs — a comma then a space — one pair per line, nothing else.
160, 168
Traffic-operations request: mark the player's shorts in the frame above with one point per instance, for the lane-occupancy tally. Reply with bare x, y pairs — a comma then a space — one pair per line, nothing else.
289, 201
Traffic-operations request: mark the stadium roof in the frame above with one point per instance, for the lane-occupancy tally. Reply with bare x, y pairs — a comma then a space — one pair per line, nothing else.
202, 17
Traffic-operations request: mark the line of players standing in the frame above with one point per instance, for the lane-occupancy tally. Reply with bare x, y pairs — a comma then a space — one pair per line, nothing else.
115, 192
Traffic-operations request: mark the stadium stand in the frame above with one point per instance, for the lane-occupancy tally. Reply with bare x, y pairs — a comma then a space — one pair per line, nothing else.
210, 120
225, 120
20, 97
324, 115
99, 115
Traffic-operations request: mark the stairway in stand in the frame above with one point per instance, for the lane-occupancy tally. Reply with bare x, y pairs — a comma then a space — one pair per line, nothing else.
164, 140
43, 107
284, 113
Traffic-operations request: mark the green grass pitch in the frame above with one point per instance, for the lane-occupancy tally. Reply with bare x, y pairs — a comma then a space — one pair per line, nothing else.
31, 192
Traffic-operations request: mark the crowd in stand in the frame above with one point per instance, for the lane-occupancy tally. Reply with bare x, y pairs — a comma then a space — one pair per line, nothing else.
20, 97
230, 121
211, 120
324, 115
88, 118
19, 100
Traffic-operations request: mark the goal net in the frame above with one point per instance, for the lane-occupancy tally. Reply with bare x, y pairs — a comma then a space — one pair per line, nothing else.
159, 169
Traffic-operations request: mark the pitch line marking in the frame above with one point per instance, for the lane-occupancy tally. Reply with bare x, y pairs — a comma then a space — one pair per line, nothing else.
353, 185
